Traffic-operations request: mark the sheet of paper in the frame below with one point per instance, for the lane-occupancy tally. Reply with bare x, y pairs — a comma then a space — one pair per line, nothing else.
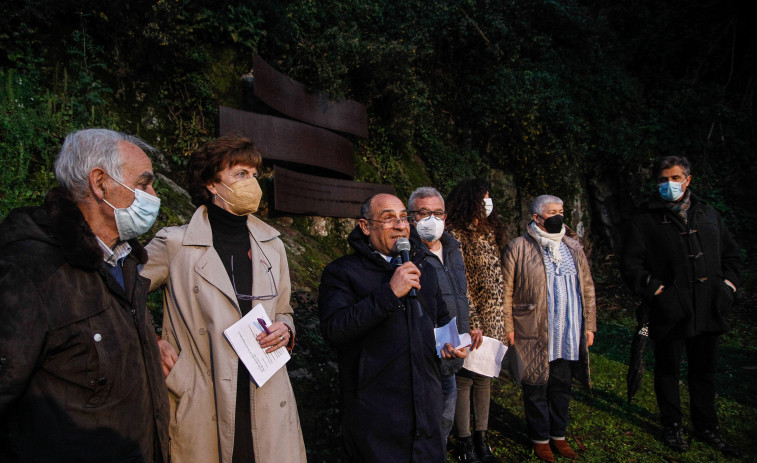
448, 334
487, 359
241, 335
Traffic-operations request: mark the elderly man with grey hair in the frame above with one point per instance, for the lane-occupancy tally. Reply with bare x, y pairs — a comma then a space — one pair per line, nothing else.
443, 255
550, 319
80, 374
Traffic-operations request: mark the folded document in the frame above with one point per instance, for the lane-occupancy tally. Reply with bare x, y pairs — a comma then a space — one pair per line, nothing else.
487, 359
242, 337
448, 334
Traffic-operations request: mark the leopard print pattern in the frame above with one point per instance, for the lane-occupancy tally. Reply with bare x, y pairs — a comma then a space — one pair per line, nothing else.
483, 270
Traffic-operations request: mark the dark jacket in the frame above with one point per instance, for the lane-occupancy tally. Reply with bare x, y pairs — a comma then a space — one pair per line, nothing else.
80, 374
691, 260
454, 288
388, 367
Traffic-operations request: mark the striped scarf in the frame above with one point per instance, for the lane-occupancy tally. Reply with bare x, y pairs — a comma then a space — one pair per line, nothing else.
681, 207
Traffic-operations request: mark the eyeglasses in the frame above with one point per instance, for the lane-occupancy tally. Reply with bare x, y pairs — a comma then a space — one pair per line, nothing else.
391, 222
271, 280
425, 213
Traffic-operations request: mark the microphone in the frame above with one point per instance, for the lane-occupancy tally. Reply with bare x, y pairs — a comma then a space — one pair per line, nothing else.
403, 246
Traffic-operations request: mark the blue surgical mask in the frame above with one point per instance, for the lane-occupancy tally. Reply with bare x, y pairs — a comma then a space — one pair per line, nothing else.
136, 219
671, 191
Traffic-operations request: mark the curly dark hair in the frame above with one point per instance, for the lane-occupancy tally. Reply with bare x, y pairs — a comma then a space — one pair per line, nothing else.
207, 161
465, 206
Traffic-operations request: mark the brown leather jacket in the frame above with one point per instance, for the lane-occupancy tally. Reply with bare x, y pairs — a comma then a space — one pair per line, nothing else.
526, 306
80, 376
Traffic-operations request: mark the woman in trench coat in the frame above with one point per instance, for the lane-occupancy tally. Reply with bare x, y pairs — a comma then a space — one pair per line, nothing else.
213, 271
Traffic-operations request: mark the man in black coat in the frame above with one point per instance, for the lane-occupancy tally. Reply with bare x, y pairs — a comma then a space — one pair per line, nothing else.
80, 374
388, 366
682, 261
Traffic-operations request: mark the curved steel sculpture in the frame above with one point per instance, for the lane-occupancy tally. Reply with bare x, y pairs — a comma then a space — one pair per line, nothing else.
293, 99
282, 139
300, 193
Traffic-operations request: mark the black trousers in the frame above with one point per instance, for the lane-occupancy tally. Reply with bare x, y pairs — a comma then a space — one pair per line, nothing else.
547, 404
702, 354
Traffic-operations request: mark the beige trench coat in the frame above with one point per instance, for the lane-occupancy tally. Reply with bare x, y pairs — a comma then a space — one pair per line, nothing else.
526, 305
199, 303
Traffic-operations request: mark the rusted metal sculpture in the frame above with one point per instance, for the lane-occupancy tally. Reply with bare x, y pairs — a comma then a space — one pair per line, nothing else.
293, 99
303, 147
310, 195
282, 139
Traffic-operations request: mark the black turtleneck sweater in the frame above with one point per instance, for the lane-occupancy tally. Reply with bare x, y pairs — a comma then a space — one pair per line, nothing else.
231, 238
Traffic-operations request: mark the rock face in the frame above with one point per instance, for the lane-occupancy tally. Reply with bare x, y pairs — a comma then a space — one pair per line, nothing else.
319, 226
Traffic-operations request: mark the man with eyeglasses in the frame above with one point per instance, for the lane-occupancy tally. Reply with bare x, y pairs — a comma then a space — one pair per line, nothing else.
388, 366
443, 255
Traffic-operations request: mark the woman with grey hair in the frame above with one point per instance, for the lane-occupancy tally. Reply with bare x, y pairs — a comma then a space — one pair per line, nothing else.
550, 319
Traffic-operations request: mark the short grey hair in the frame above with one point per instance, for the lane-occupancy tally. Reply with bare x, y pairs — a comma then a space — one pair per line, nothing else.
538, 204
423, 192
87, 149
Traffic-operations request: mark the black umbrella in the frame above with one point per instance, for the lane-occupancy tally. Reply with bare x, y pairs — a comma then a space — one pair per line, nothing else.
636, 365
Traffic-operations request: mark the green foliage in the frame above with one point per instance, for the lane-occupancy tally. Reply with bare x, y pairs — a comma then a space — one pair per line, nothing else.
32, 127
86, 59
552, 93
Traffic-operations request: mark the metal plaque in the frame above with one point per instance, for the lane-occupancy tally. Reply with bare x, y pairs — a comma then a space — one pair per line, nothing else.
286, 140
293, 99
299, 193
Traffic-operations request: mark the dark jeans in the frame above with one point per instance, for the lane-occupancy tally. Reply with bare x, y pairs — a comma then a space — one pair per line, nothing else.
702, 354
481, 387
449, 399
547, 404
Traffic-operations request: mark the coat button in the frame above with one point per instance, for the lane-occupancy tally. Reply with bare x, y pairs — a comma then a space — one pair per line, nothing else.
91, 382
196, 289
203, 331
98, 337
283, 403
101, 381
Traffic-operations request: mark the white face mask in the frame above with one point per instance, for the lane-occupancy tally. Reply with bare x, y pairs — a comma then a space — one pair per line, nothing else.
488, 206
136, 219
430, 229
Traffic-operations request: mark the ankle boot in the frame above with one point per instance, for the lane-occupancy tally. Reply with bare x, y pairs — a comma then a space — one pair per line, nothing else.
482, 447
543, 452
464, 450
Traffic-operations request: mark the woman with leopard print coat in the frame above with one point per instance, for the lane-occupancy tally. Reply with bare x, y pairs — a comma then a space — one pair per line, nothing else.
472, 221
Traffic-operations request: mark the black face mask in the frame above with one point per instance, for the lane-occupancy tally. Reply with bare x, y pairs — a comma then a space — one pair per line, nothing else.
553, 224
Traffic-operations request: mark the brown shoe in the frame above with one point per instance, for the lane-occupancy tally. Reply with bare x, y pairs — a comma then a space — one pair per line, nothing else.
564, 449
544, 452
